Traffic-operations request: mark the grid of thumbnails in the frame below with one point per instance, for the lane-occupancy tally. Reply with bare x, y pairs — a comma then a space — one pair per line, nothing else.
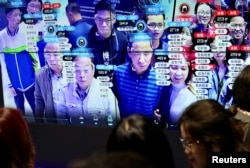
93, 62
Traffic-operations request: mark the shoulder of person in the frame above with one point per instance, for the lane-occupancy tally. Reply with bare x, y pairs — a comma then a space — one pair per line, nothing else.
43, 70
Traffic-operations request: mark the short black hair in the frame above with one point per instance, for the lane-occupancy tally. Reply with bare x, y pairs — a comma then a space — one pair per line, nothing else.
105, 5
8, 10
73, 7
28, 1
145, 16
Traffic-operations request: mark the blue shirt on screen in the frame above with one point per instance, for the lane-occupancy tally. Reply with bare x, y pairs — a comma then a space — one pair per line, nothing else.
136, 93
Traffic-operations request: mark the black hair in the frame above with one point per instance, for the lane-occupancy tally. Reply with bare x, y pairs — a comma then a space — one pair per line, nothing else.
105, 5
73, 7
241, 91
28, 1
209, 122
78, 56
140, 134
145, 16
7, 10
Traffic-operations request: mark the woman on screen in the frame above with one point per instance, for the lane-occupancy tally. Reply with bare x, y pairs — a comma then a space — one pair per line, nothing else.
203, 14
220, 72
176, 97
205, 126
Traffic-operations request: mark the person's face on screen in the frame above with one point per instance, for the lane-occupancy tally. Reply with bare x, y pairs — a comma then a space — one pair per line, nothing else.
237, 27
155, 25
219, 54
53, 56
14, 18
179, 72
34, 6
194, 150
186, 36
104, 20
84, 71
203, 14
140, 53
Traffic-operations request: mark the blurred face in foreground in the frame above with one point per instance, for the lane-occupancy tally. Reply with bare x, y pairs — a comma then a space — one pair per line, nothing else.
194, 150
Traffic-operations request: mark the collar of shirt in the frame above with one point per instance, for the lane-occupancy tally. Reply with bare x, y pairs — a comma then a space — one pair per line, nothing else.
144, 74
55, 76
9, 32
81, 93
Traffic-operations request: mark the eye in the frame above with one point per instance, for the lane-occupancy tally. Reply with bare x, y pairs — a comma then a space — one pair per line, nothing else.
174, 67
184, 68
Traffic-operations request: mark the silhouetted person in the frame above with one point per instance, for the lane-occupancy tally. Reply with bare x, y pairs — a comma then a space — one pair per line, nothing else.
16, 146
139, 134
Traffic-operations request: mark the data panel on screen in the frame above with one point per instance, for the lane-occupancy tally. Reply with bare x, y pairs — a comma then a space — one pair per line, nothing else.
94, 62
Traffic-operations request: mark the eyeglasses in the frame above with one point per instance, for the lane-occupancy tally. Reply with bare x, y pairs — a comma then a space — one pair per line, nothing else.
153, 25
188, 144
176, 67
235, 25
204, 12
51, 54
100, 21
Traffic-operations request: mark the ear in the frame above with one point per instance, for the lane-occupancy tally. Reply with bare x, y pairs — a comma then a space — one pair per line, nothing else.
8, 16
114, 19
129, 52
93, 68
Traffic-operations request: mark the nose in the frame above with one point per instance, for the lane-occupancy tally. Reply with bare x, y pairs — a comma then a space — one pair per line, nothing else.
179, 71
187, 151
82, 74
237, 27
157, 28
104, 23
51, 58
141, 58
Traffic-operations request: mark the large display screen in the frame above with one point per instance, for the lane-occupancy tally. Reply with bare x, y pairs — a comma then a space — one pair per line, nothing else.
93, 62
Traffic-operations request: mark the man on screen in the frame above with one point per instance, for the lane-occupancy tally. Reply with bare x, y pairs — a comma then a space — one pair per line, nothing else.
109, 44
88, 101
237, 31
49, 82
34, 7
81, 27
155, 26
17, 63
134, 82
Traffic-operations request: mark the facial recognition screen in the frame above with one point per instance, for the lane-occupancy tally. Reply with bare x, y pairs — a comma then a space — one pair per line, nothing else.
94, 62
